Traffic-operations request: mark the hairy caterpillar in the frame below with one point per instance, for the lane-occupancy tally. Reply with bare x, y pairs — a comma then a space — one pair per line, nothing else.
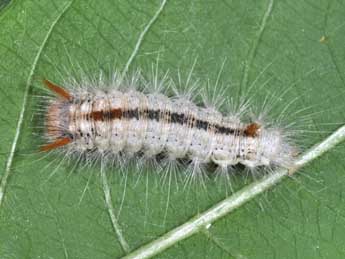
121, 120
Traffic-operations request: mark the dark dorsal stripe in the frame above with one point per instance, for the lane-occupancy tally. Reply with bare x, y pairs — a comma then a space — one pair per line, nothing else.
153, 114
177, 118
131, 114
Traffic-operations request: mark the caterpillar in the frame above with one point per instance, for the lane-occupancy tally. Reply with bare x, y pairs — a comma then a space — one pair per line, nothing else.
121, 120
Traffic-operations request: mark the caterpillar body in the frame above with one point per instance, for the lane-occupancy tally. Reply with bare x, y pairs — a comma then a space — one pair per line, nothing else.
128, 122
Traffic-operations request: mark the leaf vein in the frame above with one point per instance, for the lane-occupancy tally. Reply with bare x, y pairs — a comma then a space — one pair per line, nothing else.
199, 222
142, 35
252, 51
4, 179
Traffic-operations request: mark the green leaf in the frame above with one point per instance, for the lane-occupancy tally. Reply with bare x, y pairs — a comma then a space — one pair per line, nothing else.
54, 209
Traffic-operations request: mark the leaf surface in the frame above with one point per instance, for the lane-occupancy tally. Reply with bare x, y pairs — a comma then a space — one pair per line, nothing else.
53, 210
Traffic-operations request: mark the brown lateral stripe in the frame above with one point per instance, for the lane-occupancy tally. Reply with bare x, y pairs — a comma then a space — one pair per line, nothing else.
178, 118
106, 115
